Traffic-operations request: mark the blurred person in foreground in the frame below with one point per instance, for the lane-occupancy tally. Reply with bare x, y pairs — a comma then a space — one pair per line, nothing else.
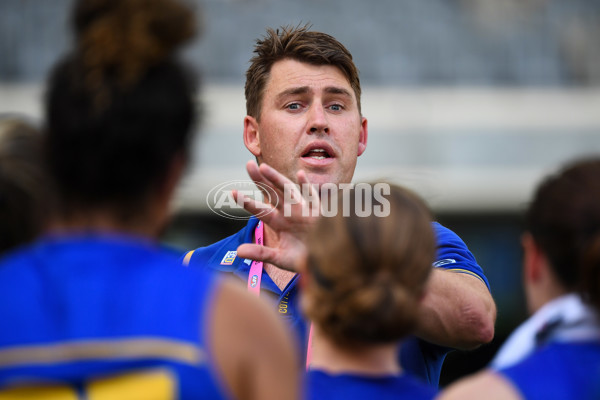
304, 119
98, 308
26, 195
363, 282
555, 354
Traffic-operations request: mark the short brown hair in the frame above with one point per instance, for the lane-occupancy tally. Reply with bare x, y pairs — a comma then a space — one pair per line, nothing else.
366, 275
301, 44
564, 220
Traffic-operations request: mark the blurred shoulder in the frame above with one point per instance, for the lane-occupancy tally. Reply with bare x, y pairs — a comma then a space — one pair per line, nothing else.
486, 384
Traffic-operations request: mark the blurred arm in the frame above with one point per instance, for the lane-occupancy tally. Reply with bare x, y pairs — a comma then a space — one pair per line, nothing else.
253, 350
486, 384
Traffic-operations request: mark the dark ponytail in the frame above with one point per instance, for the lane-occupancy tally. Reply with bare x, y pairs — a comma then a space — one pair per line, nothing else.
120, 106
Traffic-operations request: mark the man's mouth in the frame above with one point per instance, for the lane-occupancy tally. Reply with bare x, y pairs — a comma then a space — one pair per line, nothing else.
317, 154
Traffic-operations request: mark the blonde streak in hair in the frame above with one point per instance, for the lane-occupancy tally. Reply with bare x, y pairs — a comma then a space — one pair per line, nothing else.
135, 35
102, 45
150, 48
135, 49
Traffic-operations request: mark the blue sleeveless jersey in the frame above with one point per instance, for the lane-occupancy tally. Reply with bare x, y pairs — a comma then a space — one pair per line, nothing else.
421, 358
558, 371
321, 385
104, 317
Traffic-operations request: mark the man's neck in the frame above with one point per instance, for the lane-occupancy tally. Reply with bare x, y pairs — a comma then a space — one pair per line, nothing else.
280, 277
373, 360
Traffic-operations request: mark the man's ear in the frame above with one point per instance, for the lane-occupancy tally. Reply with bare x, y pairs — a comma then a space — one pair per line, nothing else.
362, 138
251, 135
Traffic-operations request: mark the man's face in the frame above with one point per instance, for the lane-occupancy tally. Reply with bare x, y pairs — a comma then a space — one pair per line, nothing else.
309, 121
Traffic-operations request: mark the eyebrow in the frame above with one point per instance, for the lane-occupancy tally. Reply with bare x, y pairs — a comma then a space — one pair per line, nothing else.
338, 90
292, 92
305, 89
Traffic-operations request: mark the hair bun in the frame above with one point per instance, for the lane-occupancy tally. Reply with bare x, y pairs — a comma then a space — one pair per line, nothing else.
378, 312
126, 37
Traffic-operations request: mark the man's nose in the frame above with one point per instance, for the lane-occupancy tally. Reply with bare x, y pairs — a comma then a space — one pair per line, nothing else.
318, 120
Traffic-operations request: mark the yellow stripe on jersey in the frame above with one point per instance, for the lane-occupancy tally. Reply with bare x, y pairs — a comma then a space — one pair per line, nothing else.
188, 256
39, 393
150, 385
153, 384
117, 349
465, 271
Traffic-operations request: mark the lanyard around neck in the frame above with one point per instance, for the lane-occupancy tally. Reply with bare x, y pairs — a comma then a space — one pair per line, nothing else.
254, 279
256, 269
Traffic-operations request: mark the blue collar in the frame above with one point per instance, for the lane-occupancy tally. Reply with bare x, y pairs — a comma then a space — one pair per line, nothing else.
240, 266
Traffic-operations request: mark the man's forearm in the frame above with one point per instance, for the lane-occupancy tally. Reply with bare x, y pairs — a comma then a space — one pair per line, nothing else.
458, 311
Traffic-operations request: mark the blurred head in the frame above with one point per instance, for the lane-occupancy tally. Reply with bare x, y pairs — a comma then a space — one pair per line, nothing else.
303, 105
563, 222
26, 194
120, 107
365, 276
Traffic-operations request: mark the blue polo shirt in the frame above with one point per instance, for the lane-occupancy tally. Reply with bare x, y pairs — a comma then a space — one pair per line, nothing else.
420, 358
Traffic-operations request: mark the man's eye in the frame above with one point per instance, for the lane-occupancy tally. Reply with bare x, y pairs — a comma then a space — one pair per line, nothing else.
336, 107
293, 106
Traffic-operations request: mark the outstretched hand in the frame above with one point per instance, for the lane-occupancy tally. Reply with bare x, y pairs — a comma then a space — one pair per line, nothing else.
293, 210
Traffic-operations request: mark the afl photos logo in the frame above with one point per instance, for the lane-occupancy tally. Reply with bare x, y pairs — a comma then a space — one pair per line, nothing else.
221, 201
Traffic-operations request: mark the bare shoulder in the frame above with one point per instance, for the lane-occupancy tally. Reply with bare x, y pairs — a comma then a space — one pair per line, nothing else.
248, 318
486, 384
251, 346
